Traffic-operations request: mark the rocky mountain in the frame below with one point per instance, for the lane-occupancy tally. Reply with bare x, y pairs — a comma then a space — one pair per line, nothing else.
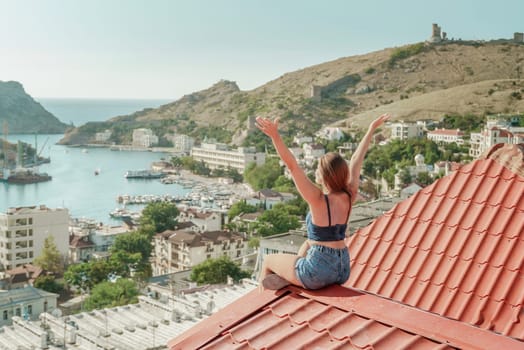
23, 114
416, 81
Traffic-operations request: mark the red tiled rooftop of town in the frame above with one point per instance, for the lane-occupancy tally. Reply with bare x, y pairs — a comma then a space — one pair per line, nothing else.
442, 269
455, 248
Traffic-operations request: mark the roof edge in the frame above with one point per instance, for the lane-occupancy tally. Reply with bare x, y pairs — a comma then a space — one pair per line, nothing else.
429, 325
234, 313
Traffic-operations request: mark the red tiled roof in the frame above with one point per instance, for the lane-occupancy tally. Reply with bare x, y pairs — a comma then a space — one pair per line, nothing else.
442, 269
456, 248
452, 132
331, 318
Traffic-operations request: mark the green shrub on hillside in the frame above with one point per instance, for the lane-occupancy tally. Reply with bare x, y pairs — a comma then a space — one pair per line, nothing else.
405, 52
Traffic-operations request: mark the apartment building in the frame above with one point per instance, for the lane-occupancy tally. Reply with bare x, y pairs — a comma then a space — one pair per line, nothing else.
446, 136
144, 138
179, 250
403, 131
23, 232
218, 155
182, 143
103, 136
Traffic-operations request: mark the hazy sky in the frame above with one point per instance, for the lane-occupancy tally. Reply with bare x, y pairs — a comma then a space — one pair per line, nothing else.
168, 48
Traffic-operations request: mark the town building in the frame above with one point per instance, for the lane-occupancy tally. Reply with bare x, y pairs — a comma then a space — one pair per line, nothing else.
446, 136
81, 248
89, 239
144, 138
103, 136
312, 152
27, 302
403, 131
330, 133
496, 131
218, 155
300, 139
182, 143
202, 220
23, 231
21, 276
178, 250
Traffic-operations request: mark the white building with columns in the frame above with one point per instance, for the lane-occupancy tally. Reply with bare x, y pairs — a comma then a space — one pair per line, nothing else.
218, 155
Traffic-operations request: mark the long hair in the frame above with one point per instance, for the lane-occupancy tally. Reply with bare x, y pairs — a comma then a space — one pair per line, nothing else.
335, 172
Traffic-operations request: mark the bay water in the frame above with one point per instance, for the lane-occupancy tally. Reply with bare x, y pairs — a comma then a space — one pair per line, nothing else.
74, 184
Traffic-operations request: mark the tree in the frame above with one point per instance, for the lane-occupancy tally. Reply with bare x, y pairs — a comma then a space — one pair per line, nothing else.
77, 275
263, 176
48, 283
240, 207
214, 271
50, 259
276, 220
132, 250
158, 217
108, 294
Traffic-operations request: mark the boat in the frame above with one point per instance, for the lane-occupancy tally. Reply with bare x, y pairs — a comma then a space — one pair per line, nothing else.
143, 174
26, 176
97, 171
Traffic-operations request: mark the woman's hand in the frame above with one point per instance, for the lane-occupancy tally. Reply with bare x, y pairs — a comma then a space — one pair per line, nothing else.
268, 127
375, 124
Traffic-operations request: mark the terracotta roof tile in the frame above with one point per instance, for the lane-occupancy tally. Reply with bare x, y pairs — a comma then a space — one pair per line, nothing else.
454, 248
332, 318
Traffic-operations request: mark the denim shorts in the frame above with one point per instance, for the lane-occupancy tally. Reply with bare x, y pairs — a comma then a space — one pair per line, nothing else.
323, 266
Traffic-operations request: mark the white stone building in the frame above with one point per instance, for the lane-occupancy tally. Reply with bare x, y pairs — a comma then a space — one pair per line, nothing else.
301, 139
144, 138
330, 133
103, 136
27, 302
23, 232
446, 136
312, 152
182, 143
178, 250
218, 155
496, 131
202, 220
403, 131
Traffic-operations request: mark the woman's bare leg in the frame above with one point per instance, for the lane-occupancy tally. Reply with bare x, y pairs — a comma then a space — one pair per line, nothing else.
281, 264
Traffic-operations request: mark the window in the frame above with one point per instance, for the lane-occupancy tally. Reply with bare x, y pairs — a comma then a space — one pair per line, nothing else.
5, 315
18, 312
45, 306
30, 309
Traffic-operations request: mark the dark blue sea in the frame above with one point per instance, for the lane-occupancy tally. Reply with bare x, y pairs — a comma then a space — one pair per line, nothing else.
74, 184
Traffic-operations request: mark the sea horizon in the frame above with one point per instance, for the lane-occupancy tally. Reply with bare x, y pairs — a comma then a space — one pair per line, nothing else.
79, 110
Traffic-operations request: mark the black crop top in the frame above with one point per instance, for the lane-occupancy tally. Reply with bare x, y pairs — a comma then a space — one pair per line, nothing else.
336, 232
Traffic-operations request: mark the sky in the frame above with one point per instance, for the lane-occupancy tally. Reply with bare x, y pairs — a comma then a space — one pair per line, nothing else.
165, 49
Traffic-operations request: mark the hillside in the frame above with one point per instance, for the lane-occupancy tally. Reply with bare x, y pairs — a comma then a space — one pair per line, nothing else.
412, 82
23, 114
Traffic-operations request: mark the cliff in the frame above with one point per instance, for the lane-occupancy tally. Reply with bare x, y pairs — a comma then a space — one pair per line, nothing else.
23, 114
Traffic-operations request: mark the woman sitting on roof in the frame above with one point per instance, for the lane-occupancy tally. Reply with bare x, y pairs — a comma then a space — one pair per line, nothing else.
323, 259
